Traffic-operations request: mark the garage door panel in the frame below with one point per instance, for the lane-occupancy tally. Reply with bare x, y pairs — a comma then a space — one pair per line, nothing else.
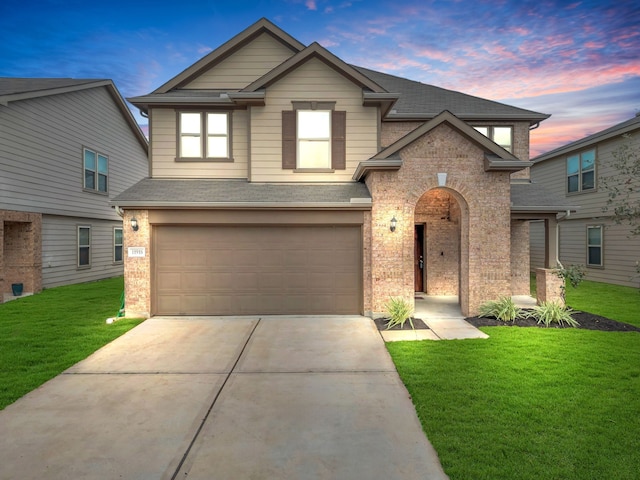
257, 270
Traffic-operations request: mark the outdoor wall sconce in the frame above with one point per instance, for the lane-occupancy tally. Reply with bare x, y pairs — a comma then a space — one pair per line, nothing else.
392, 225
134, 224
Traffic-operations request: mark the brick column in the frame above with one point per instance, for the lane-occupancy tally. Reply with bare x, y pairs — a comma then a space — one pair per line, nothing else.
548, 286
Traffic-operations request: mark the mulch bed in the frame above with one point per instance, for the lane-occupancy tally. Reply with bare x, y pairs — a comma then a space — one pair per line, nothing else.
381, 323
587, 321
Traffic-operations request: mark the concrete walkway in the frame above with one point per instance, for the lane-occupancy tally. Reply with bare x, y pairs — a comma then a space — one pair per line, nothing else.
224, 398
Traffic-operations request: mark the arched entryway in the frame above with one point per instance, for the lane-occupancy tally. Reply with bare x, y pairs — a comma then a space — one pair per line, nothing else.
439, 243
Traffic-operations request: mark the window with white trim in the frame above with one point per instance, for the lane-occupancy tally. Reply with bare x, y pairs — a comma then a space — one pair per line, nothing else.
96, 171
594, 245
84, 246
314, 138
203, 135
117, 245
502, 135
581, 171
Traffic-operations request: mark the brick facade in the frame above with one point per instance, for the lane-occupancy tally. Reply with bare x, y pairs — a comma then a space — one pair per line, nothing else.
20, 251
137, 270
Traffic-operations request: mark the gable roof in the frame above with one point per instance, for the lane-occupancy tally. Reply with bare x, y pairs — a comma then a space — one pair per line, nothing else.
315, 50
16, 89
228, 48
496, 158
619, 129
420, 101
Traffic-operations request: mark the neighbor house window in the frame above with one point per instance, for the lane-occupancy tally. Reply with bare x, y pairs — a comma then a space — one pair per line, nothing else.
203, 135
581, 171
314, 139
96, 171
117, 245
594, 245
503, 136
84, 246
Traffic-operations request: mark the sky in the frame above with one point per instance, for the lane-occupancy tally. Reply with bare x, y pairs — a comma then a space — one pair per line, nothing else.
576, 60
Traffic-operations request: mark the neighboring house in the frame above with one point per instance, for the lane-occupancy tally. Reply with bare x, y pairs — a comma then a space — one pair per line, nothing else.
67, 146
589, 237
286, 181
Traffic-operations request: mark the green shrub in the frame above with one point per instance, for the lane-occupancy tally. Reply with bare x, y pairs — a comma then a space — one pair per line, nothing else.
553, 312
503, 309
399, 312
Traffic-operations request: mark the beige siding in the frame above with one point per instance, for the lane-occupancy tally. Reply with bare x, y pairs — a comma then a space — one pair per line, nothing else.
536, 245
311, 81
620, 252
245, 66
163, 149
41, 164
59, 251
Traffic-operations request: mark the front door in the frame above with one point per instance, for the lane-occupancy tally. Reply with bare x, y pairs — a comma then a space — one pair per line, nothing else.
418, 259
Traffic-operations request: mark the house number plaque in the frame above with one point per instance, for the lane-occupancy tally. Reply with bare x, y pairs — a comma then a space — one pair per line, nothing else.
137, 251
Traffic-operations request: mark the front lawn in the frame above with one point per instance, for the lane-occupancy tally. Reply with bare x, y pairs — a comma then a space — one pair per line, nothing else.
43, 335
529, 403
611, 301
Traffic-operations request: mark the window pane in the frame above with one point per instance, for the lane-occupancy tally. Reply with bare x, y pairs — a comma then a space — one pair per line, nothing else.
83, 236
502, 136
483, 130
572, 183
89, 179
89, 160
594, 236
102, 183
588, 160
588, 180
103, 164
313, 154
190, 147
314, 124
117, 236
595, 256
573, 165
190, 123
117, 253
83, 256
217, 147
217, 123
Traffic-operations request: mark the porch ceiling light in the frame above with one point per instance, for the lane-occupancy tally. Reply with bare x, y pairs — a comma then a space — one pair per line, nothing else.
392, 225
134, 224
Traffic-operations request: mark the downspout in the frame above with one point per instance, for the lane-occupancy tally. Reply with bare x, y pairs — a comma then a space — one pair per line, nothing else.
566, 215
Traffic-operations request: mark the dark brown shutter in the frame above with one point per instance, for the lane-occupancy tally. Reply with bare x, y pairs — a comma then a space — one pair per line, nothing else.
338, 140
288, 139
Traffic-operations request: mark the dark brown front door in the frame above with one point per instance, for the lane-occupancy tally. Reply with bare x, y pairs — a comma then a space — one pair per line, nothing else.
419, 258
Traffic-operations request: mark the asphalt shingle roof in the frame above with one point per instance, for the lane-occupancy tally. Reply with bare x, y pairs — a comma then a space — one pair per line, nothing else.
12, 86
528, 196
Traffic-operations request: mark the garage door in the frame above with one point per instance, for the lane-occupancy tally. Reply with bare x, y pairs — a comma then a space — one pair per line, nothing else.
240, 270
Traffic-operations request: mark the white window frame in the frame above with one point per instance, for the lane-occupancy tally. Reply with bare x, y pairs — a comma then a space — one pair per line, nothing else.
489, 132
116, 245
203, 136
302, 139
96, 170
581, 172
599, 245
81, 246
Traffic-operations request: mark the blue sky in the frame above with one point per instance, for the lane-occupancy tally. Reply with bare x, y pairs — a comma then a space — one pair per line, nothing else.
579, 61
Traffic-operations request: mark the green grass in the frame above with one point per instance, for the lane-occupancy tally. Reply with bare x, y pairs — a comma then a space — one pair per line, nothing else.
529, 403
611, 301
43, 335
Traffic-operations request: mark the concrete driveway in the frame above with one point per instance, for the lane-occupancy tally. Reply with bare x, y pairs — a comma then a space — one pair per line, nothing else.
223, 398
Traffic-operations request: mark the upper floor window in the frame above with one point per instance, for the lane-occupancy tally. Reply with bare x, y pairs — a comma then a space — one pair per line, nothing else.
203, 135
96, 171
117, 245
503, 136
314, 139
581, 171
84, 246
594, 246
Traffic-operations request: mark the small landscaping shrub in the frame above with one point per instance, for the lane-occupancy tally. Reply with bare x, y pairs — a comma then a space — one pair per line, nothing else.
573, 273
503, 309
399, 312
553, 312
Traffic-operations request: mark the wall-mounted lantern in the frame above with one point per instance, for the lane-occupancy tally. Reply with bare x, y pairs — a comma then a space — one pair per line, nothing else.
393, 224
134, 224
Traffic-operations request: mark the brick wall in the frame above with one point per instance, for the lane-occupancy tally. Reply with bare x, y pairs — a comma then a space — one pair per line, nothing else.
137, 270
484, 223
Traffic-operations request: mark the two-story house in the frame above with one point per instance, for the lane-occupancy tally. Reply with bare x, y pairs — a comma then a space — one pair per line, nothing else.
589, 237
67, 146
286, 181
